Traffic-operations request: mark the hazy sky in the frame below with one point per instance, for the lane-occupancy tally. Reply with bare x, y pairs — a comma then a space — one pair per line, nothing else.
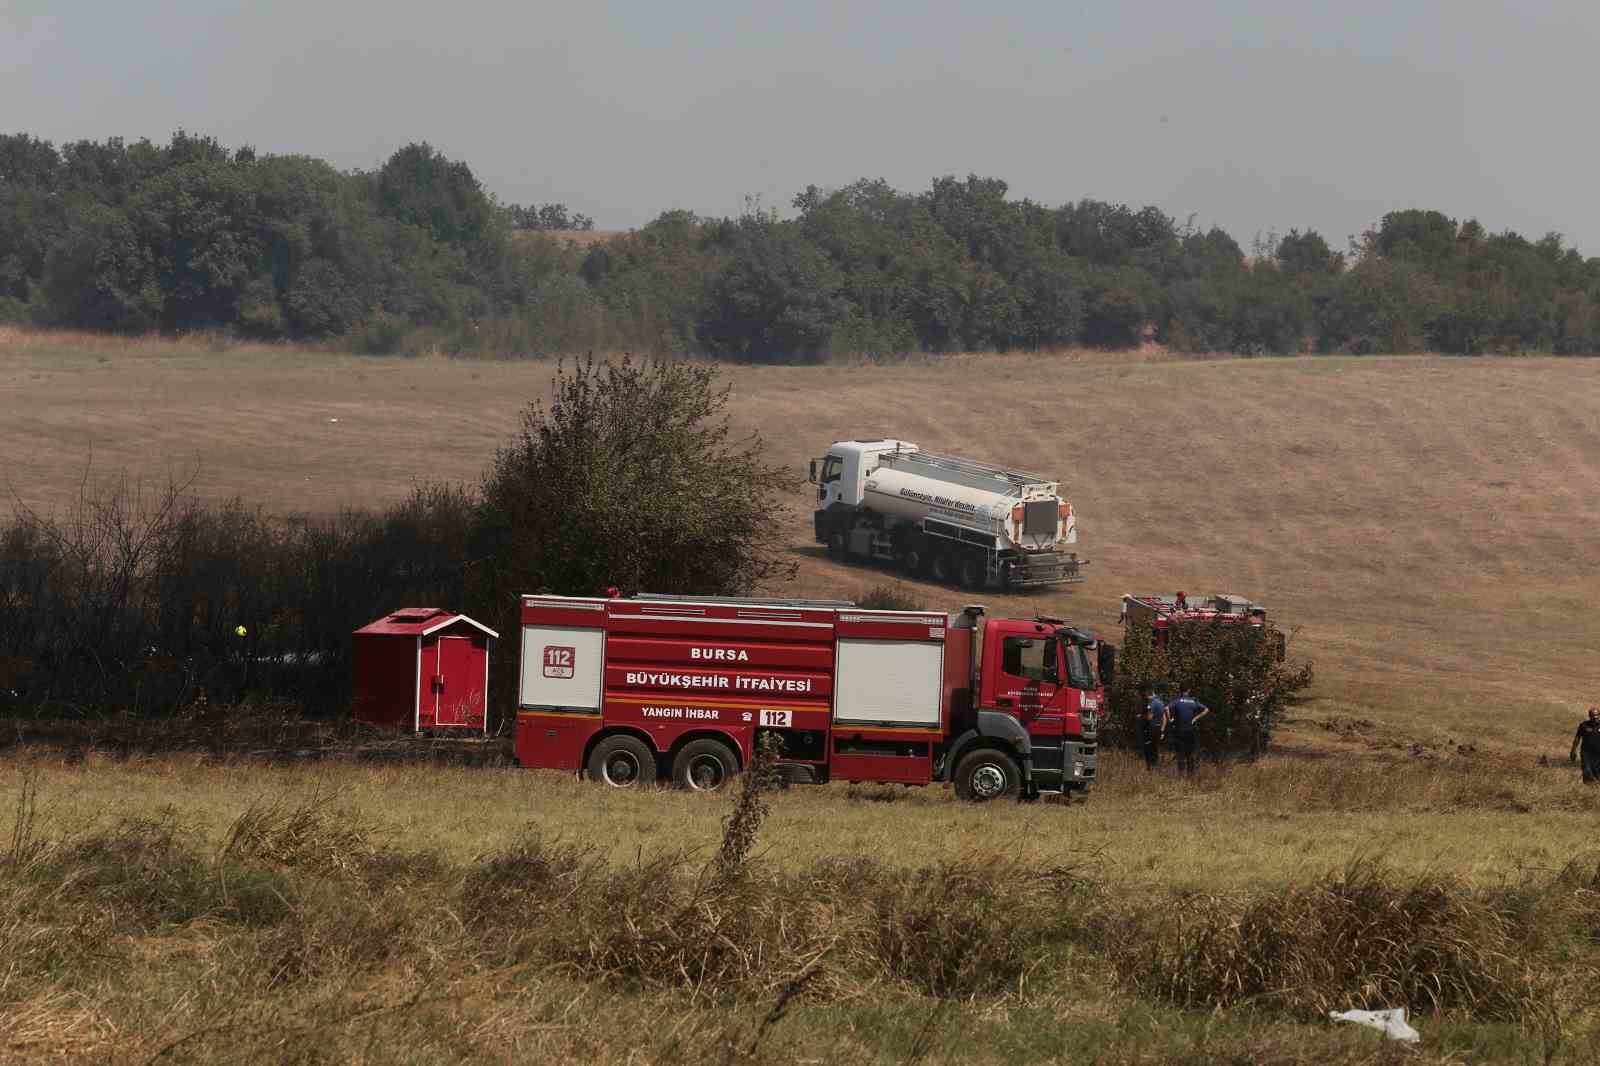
1250, 115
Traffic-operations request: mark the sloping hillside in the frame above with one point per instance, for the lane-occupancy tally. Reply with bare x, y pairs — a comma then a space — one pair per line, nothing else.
1429, 524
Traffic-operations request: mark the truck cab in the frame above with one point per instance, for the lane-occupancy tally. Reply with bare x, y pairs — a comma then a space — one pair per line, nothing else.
1041, 672
1035, 693
841, 475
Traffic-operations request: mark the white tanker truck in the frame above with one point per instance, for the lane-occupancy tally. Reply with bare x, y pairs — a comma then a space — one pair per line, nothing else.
956, 520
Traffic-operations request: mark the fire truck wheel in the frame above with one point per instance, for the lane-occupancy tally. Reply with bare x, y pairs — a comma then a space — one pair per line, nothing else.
623, 762
704, 766
987, 774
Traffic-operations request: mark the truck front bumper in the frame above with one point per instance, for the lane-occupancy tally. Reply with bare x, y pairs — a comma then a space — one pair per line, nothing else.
1080, 763
1046, 568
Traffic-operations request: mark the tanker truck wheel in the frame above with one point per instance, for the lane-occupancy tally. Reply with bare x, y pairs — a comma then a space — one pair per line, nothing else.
623, 762
972, 572
837, 549
941, 568
704, 766
987, 774
913, 559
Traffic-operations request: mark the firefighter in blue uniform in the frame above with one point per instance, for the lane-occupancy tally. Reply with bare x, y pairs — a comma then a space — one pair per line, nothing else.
1152, 726
1183, 714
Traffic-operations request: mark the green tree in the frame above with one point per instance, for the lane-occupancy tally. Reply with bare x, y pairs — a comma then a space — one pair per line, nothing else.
1306, 256
655, 282
1022, 289
195, 221
631, 477
419, 186
904, 276
1115, 235
32, 216
1427, 238
99, 275
1118, 302
1380, 306
545, 217
777, 298
1272, 315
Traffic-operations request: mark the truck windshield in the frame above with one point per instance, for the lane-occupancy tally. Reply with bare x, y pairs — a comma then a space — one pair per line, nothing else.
832, 468
1081, 672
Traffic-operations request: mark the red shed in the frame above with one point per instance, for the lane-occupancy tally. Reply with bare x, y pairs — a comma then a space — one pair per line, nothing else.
423, 668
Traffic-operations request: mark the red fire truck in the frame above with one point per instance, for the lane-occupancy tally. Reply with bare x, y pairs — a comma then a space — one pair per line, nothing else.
634, 690
1161, 613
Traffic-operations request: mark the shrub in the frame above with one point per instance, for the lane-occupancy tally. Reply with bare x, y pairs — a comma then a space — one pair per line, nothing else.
1236, 670
1363, 937
632, 477
150, 874
381, 334
888, 597
969, 927
306, 835
128, 601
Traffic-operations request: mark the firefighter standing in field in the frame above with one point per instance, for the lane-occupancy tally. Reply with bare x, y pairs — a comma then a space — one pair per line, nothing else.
1152, 726
1586, 745
1184, 713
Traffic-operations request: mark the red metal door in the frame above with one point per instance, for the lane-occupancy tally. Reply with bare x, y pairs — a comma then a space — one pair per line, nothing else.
1029, 685
427, 678
458, 699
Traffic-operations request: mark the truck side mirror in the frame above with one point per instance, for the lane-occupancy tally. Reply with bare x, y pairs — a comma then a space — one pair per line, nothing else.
813, 471
1107, 664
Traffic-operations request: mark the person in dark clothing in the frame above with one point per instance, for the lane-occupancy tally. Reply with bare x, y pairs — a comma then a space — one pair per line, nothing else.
1587, 745
1183, 714
1152, 726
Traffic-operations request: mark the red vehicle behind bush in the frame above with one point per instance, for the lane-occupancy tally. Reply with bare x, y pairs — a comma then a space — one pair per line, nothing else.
1161, 613
631, 691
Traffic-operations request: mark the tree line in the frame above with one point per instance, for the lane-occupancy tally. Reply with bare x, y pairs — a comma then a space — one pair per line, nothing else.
192, 236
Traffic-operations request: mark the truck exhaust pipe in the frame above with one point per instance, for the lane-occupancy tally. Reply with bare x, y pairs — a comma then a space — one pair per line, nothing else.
971, 614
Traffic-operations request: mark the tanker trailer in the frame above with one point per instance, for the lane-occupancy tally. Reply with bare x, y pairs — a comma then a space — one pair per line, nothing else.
953, 519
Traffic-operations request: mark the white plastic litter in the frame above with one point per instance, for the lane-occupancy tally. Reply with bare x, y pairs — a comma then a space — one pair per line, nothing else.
1391, 1023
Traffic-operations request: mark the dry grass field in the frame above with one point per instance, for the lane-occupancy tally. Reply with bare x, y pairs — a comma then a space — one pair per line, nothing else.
185, 910
1254, 827
1428, 527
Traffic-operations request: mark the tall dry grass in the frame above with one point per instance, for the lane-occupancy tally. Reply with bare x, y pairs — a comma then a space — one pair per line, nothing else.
310, 934
1364, 936
27, 341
